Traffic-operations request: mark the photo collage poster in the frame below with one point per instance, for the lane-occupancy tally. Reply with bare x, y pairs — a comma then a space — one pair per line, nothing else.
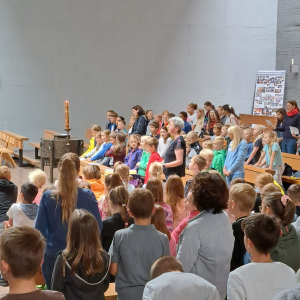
269, 92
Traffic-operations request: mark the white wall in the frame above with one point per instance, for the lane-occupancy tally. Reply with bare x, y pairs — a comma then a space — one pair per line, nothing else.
113, 54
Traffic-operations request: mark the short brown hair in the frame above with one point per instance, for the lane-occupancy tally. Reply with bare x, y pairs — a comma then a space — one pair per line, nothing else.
200, 161
154, 124
263, 179
91, 172
165, 264
263, 231
218, 126
95, 127
5, 173
205, 194
237, 180
294, 193
243, 195
22, 247
122, 121
113, 114
85, 185
152, 141
141, 203
269, 188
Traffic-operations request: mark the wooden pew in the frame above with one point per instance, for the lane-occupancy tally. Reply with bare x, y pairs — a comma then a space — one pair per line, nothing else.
260, 120
294, 161
18, 143
252, 172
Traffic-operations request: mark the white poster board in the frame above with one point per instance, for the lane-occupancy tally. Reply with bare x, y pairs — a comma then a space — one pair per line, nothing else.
269, 92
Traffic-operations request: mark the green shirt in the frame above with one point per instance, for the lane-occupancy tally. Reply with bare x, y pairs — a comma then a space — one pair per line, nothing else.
143, 163
219, 160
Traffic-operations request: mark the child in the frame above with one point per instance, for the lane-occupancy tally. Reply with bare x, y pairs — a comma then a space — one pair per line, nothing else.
217, 130
197, 164
190, 153
132, 121
219, 155
262, 278
273, 155
241, 201
234, 163
154, 185
81, 271
193, 212
85, 185
164, 141
248, 138
209, 156
142, 164
111, 181
23, 213
100, 154
174, 196
113, 121
158, 219
156, 171
118, 200
200, 121
39, 179
158, 119
294, 193
98, 147
123, 171
108, 158
258, 146
8, 194
22, 253
287, 249
92, 175
118, 151
128, 245
208, 144
166, 116
151, 146
187, 127
192, 117
134, 154
93, 143
108, 124
168, 270
224, 134
193, 141
154, 128
122, 127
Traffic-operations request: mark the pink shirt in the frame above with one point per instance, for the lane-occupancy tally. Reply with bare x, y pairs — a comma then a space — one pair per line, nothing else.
177, 231
37, 198
169, 216
103, 208
172, 244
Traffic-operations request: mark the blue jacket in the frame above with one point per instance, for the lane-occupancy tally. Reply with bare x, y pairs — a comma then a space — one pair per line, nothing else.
187, 127
101, 153
235, 159
140, 126
49, 219
132, 158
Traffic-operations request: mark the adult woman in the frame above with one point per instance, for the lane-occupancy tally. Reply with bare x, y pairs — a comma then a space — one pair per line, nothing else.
56, 208
232, 117
213, 119
205, 246
174, 163
208, 107
141, 123
280, 115
292, 118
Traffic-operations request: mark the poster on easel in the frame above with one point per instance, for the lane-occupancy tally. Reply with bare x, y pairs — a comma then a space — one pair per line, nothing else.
269, 92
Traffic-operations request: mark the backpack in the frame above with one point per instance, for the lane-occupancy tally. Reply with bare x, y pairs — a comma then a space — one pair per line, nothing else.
288, 171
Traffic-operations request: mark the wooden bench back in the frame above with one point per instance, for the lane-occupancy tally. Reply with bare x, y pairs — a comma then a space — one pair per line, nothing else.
260, 120
48, 134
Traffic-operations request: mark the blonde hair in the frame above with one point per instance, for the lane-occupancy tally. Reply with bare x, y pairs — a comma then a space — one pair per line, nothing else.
219, 139
95, 127
192, 135
237, 136
244, 195
248, 130
274, 139
156, 170
38, 178
207, 153
5, 173
263, 179
261, 129
200, 121
133, 136
123, 171
208, 144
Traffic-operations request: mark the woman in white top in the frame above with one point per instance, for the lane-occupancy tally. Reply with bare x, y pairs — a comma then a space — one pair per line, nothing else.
200, 120
233, 119
164, 141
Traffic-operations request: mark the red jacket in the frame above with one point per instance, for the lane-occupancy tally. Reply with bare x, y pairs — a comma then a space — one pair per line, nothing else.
153, 157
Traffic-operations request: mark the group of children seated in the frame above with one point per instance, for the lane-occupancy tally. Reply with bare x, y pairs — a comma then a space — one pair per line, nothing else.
145, 219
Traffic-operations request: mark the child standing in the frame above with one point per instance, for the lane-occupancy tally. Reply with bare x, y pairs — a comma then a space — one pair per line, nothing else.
121, 127
113, 121
234, 163
294, 193
241, 201
123, 171
193, 141
92, 175
248, 138
258, 146
164, 141
118, 151
93, 143
140, 246
209, 156
151, 146
200, 121
187, 127
193, 212
81, 271
23, 213
192, 117
190, 153
134, 154
39, 179
224, 134
219, 155
142, 164
154, 128
261, 236
217, 130
273, 155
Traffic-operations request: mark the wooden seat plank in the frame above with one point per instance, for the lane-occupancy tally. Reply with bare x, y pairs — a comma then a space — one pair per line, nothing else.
252, 172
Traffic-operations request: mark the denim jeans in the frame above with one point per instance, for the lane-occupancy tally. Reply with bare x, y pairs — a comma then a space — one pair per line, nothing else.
47, 268
234, 175
289, 146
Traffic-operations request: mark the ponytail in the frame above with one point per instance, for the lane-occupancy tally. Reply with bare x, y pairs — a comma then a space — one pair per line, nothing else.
230, 109
208, 103
112, 181
194, 106
119, 197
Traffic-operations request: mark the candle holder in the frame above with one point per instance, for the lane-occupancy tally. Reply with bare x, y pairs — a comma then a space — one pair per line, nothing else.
68, 139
